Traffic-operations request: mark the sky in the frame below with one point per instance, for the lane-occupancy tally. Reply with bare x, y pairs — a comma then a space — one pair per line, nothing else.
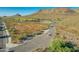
9, 11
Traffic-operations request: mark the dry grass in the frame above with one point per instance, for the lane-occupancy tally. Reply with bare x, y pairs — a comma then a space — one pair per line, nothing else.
18, 30
69, 23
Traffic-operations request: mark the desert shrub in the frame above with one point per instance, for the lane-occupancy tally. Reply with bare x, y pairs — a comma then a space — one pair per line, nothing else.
58, 45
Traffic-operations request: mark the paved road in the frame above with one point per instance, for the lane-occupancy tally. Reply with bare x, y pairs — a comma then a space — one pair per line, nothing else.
40, 41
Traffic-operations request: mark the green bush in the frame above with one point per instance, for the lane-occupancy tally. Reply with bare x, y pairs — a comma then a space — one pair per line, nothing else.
58, 45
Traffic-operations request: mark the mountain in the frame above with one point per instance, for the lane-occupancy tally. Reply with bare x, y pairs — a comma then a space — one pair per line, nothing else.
64, 11
17, 14
46, 14
50, 13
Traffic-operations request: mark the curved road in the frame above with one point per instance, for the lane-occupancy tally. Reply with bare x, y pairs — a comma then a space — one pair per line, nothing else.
39, 41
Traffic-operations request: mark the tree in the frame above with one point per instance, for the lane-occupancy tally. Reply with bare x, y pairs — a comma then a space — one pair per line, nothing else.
58, 45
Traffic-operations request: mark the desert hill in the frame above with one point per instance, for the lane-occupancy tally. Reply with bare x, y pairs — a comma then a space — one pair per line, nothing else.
67, 20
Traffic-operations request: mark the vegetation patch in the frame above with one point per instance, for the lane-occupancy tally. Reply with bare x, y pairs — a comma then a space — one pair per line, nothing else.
59, 45
21, 29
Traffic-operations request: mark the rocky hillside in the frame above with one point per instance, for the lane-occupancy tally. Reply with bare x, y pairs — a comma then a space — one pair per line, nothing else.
48, 14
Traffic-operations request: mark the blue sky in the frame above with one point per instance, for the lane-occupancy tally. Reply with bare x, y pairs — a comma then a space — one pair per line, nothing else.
9, 11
